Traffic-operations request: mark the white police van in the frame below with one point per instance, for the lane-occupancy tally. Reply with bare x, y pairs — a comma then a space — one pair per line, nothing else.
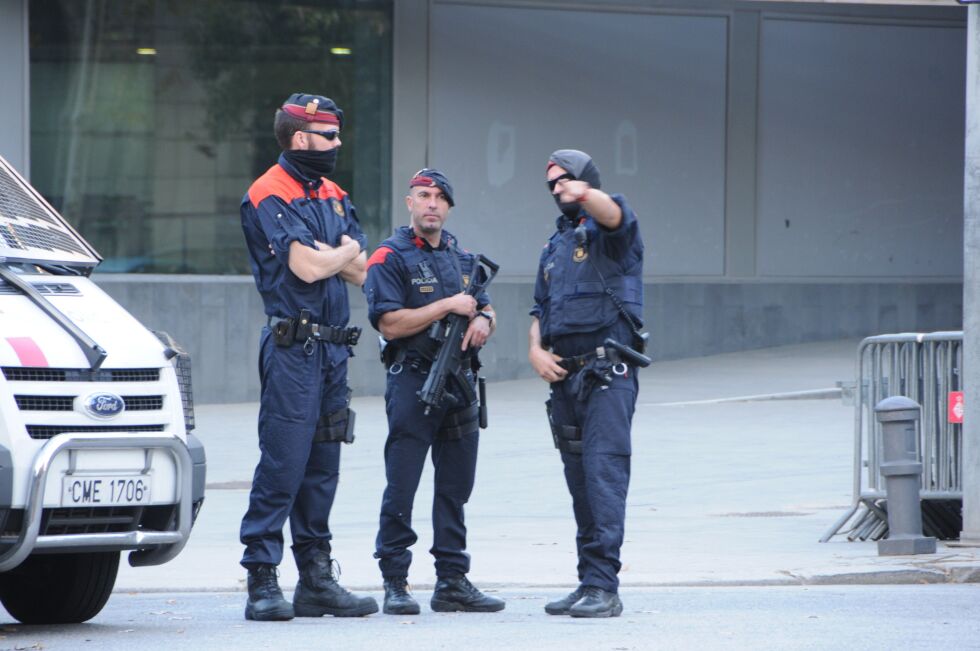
96, 451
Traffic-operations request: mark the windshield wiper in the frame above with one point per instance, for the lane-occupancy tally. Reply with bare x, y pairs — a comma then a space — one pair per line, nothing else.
94, 353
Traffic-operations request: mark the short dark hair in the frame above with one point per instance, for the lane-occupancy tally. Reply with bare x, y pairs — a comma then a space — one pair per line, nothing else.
285, 126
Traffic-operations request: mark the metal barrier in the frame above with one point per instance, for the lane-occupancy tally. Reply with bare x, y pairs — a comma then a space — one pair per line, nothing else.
926, 368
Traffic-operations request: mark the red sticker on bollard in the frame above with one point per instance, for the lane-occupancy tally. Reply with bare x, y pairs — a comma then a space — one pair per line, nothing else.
955, 407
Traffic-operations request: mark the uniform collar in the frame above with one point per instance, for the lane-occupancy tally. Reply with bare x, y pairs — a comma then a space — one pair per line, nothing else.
299, 178
445, 239
564, 222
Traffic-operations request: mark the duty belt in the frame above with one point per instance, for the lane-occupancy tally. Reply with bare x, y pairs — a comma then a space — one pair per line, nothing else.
576, 363
313, 331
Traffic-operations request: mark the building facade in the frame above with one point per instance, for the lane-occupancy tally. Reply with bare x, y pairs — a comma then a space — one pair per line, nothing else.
797, 167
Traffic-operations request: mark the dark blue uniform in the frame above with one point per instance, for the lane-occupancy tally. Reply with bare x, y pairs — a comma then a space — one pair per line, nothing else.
575, 316
406, 272
301, 386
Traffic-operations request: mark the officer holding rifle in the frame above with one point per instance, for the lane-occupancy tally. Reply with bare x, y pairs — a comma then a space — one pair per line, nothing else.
585, 340
426, 297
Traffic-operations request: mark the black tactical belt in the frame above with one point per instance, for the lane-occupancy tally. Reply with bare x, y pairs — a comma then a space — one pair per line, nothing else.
291, 330
578, 362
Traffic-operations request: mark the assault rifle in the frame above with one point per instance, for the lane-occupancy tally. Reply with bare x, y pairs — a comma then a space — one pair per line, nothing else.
449, 332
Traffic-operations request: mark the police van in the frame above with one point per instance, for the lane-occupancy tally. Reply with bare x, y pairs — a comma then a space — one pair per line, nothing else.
96, 451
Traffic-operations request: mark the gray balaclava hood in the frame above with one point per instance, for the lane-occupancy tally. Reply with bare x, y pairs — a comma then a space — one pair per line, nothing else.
578, 164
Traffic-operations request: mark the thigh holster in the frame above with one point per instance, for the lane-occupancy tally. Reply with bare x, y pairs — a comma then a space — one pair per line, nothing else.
459, 423
567, 438
337, 427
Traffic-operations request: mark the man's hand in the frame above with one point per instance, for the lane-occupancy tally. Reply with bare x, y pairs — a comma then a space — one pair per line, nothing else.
545, 364
574, 190
463, 304
477, 333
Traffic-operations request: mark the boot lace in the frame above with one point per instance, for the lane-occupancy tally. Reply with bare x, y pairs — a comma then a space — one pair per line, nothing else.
267, 581
398, 587
468, 587
592, 592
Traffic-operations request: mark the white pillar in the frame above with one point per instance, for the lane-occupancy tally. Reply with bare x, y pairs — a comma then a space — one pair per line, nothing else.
971, 287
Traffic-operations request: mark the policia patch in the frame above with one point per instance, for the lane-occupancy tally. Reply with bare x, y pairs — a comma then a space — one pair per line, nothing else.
580, 254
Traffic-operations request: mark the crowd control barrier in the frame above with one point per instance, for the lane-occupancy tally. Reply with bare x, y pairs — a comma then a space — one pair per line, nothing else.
925, 367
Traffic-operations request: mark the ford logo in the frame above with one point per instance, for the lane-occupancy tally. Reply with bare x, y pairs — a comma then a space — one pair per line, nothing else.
104, 405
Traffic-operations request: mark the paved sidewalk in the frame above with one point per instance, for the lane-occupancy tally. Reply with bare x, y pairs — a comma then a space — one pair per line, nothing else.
723, 492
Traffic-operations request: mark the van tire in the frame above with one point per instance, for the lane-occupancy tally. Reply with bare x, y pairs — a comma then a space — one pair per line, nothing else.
59, 588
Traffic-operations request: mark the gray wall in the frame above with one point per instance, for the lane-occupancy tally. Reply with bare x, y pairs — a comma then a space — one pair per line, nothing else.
797, 168
652, 114
860, 174
14, 136
218, 319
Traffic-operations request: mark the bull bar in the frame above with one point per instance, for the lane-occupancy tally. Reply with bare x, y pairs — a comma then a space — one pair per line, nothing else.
165, 544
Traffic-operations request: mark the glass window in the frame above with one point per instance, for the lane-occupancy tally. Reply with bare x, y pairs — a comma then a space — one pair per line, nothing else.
150, 118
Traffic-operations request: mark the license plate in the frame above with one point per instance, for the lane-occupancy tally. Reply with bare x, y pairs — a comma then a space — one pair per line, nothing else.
88, 490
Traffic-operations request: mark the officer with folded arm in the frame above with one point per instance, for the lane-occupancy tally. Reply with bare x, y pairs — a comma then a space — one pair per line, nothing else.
585, 341
304, 244
415, 280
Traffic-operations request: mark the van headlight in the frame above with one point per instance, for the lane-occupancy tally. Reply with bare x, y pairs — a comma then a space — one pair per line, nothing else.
181, 360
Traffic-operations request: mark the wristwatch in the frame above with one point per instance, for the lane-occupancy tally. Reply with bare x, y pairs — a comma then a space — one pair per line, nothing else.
486, 315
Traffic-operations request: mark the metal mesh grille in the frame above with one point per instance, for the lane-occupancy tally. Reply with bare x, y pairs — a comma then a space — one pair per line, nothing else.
115, 519
45, 403
143, 403
30, 229
48, 431
31, 236
16, 203
35, 374
66, 403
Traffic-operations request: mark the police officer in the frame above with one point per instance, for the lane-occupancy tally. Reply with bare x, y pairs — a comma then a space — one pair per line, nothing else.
304, 243
415, 279
589, 288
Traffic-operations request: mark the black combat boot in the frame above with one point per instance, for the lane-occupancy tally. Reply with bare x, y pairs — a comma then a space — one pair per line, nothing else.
397, 599
456, 593
561, 606
265, 601
596, 602
318, 592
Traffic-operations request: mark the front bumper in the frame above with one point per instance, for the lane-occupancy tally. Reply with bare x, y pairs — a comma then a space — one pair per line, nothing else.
152, 547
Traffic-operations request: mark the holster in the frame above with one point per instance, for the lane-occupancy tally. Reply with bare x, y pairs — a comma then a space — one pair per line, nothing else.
567, 438
336, 427
460, 423
284, 332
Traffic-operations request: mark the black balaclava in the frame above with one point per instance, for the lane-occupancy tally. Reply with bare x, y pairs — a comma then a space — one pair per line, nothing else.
579, 165
313, 108
312, 164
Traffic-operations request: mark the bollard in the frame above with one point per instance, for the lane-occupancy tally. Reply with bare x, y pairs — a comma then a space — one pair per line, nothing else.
902, 473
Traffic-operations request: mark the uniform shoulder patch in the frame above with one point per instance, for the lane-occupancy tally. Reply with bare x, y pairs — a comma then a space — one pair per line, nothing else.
378, 257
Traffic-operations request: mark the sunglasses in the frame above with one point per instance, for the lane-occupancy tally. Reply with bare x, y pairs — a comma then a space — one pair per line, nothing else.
555, 181
329, 135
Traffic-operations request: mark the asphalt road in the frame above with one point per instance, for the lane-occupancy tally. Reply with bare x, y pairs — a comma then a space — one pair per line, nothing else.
818, 617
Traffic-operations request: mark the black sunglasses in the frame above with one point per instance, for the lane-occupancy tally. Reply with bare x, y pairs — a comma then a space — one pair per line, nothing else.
329, 135
555, 181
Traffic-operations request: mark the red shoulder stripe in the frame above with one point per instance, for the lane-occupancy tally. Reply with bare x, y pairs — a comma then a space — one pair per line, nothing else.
330, 190
275, 182
378, 257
